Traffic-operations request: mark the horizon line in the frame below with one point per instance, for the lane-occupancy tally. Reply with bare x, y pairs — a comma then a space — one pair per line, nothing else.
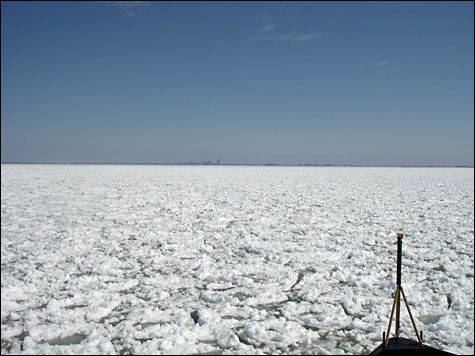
247, 164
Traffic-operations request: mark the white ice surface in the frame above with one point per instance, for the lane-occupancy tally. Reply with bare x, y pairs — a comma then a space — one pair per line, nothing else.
232, 259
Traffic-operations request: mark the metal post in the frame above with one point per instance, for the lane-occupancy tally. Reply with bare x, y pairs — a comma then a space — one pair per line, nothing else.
398, 281
399, 258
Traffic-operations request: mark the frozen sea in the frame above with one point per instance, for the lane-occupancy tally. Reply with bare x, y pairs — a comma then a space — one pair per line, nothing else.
110, 259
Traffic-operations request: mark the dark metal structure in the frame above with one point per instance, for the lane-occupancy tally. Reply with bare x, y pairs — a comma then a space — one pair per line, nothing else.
403, 346
399, 345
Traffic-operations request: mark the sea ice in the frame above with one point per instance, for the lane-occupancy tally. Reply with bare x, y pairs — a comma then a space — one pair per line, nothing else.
232, 259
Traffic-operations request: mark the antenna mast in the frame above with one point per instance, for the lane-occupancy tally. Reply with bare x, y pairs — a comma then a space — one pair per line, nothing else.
397, 298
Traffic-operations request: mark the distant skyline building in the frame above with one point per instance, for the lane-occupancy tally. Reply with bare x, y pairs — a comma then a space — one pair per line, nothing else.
217, 161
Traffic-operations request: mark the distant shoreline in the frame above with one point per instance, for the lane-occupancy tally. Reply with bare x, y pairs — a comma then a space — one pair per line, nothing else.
239, 164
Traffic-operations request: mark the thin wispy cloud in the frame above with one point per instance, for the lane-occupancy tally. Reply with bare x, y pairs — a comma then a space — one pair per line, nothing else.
267, 33
287, 37
383, 63
268, 25
304, 37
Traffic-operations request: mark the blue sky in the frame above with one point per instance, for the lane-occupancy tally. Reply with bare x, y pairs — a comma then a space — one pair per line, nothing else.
375, 83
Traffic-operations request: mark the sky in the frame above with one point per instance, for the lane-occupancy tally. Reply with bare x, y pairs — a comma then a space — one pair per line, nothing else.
356, 83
